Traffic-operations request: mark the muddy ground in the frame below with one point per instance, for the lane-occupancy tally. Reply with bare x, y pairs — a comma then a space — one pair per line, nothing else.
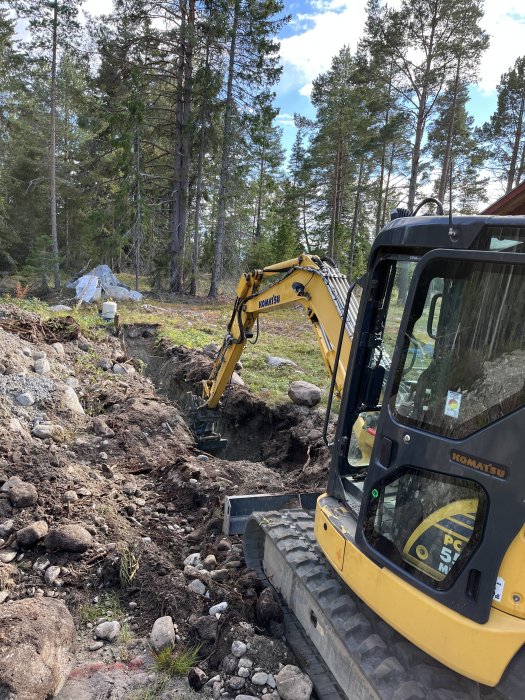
123, 464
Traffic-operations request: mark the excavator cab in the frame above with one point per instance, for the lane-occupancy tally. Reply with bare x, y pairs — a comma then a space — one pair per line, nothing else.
424, 520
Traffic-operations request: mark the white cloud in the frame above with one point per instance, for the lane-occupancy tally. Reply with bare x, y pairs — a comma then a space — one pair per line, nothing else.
504, 21
98, 7
285, 119
310, 52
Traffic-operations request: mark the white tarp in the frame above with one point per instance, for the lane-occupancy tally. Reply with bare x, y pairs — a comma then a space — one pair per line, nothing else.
100, 280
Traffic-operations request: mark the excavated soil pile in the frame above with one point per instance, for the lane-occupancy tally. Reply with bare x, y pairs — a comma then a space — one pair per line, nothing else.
107, 507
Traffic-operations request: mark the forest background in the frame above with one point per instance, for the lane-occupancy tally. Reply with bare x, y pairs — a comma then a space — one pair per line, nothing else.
148, 138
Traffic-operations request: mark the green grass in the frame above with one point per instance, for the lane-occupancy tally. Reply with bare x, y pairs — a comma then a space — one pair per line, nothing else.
108, 603
129, 565
178, 663
153, 691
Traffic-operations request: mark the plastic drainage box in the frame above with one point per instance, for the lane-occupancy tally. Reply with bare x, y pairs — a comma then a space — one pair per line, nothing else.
238, 509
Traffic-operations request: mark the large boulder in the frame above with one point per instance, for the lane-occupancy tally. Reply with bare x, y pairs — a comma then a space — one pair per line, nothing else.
304, 394
293, 684
36, 648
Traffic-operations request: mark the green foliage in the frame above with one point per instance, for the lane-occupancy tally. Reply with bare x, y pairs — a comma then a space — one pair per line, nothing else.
108, 603
176, 663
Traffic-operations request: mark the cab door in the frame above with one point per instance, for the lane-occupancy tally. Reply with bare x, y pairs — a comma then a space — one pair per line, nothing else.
444, 494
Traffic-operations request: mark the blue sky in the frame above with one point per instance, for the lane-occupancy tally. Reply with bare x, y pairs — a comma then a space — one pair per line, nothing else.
320, 28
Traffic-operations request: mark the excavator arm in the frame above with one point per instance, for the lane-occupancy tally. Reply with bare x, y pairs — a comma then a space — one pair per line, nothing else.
315, 284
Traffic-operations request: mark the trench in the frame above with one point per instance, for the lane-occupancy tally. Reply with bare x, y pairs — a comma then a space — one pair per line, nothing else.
255, 431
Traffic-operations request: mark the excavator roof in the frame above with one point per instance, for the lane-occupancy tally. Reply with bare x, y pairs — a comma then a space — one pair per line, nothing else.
416, 235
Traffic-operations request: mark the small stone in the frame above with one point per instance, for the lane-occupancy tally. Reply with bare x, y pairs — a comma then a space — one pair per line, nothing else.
293, 684
23, 495
103, 455
260, 678
216, 690
72, 382
239, 648
224, 546
219, 608
41, 564
229, 663
267, 609
197, 678
83, 491
108, 631
60, 307
162, 634
130, 488
41, 365
70, 497
105, 364
202, 458
45, 429
6, 528
7, 555
197, 586
51, 575
243, 672
71, 401
270, 696
25, 399
236, 682
271, 681
39, 355
101, 428
219, 574
245, 697
10, 483
59, 349
68, 538
83, 344
27, 352
206, 627
211, 350
4, 595
193, 481
236, 380
193, 560
95, 646
210, 562
245, 662
29, 535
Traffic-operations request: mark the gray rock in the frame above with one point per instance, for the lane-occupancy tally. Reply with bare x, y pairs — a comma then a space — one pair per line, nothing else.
267, 609
304, 394
245, 662
229, 663
70, 497
39, 355
210, 562
197, 586
105, 364
29, 535
245, 697
202, 458
42, 366
23, 495
236, 682
260, 678
71, 401
72, 382
51, 575
83, 343
95, 646
130, 488
293, 684
60, 307
238, 648
211, 350
68, 538
236, 380
197, 678
41, 564
6, 528
219, 608
219, 574
102, 428
162, 634
193, 560
46, 430
206, 627
7, 555
10, 483
59, 349
25, 399
270, 696
274, 361
83, 491
224, 546
271, 681
119, 368
243, 672
108, 631
37, 654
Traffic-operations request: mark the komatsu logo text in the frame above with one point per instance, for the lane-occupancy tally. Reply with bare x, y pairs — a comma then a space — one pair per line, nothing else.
270, 301
490, 468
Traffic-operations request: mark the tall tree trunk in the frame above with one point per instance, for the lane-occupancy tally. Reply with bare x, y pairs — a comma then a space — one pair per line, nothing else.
515, 148
175, 250
198, 193
445, 167
305, 228
52, 152
225, 161
421, 119
259, 200
387, 186
138, 206
355, 220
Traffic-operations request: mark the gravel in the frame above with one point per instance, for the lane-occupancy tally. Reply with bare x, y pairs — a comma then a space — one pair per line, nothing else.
41, 388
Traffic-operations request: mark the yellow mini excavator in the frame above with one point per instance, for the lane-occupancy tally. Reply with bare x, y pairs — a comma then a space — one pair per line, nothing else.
424, 525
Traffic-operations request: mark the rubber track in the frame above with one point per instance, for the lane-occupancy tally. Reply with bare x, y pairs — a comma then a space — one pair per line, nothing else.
394, 668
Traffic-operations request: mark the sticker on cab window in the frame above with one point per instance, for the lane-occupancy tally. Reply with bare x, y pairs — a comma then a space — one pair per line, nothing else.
453, 404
